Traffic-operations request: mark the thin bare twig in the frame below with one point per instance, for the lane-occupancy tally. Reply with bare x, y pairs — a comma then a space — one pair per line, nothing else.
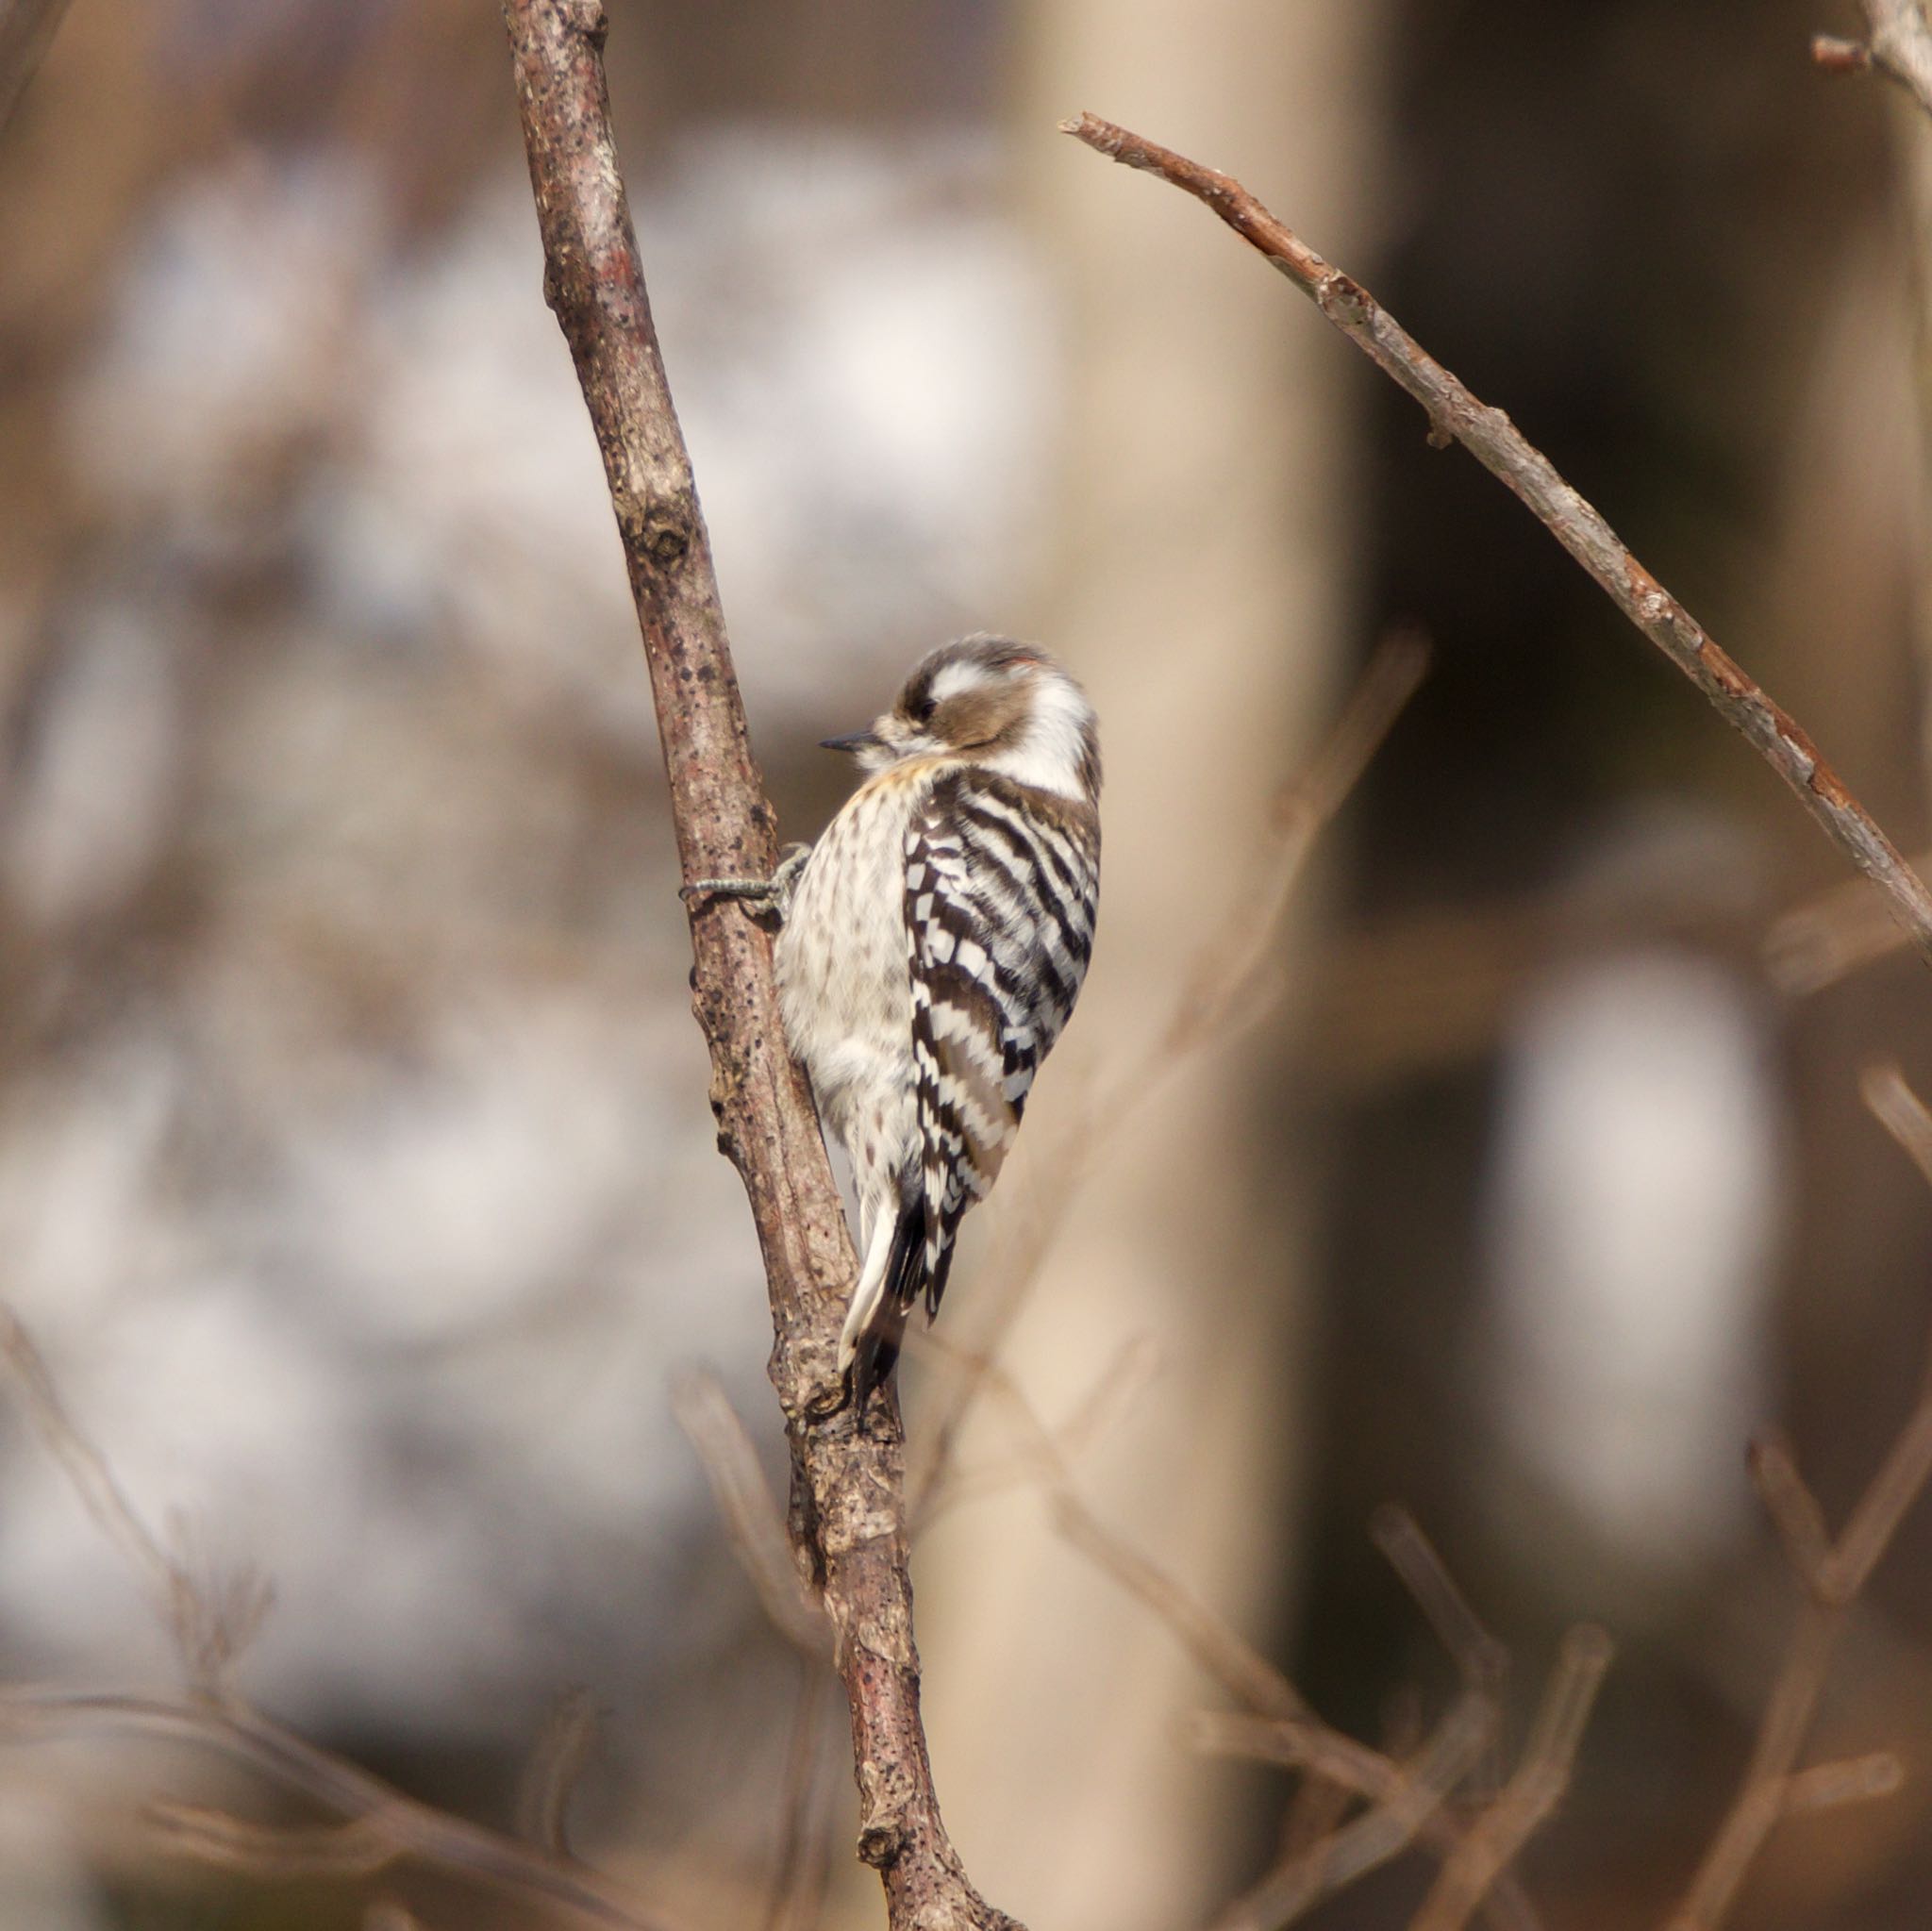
1530, 1796
1761, 1800
1900, 1111
1489, 436
385, 1914
1279, 1724
1407, 1797
378, 1812
847, 1476
1831, 1574
359, 1848
213, 1621
555, 1764
1830, 1786
1120, 1378
27, 31
752, 1522
381, 1824
798, 1879
1481, 1659
1832, 935
1794, 1512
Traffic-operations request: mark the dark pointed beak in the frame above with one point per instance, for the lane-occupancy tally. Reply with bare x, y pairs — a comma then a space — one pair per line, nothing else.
853, 742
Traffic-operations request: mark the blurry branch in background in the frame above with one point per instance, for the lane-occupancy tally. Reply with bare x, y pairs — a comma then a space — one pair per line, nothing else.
1222, 989
1481, 1660
1223, 983
1456, 415
802, 1866
751, 1517
847, 1514
1409, 1801
383, 1824
1830, 936
1121, 1378
1823, 940
211, 1621
385, 1914
1404, 1797
1531, 1794
209, 1625
756, 1531
551, 1776
1831, 1573
26, 30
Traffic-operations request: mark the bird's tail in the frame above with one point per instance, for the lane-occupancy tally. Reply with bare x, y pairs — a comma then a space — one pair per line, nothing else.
875, 1323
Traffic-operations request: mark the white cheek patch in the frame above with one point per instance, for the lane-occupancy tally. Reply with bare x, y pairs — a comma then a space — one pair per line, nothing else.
1050, 754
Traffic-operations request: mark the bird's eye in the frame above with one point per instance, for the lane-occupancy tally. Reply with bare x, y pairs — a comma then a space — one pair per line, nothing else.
919, 708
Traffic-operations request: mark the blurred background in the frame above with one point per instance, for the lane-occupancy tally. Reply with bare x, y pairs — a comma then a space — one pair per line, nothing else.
356, 1174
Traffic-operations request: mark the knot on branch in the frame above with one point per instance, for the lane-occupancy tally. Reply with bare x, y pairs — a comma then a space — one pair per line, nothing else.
661, 529
665, 544
1343, 299
879, 1844
882, 1816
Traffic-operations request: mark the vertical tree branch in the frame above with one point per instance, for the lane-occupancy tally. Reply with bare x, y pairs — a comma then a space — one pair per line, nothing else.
847, 1479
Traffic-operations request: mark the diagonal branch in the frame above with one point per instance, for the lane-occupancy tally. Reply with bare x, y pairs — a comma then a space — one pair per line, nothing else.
26, 27
1487, 434
847, 1512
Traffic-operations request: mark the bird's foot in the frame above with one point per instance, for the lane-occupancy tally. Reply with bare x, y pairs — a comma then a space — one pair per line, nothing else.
775, 893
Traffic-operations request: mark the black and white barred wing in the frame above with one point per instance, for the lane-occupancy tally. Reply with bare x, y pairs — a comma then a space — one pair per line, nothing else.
1001, 886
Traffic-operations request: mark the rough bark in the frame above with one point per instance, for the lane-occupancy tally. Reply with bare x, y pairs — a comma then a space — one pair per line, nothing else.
846, 1506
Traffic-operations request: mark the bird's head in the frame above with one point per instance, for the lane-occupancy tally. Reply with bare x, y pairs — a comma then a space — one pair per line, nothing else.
989, 701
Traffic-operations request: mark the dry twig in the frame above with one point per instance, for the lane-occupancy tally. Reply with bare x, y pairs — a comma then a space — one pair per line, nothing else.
1407, 1797
382, 1824
26, 30
211, 1620
1279, 1726
551, 1774
846, 1513
1831, 1574
385, 1914
798, 1880
1489, 436
1531, 1794
752, 1520
1830, 936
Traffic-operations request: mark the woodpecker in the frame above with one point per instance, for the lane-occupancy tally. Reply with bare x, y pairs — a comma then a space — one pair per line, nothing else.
933, 946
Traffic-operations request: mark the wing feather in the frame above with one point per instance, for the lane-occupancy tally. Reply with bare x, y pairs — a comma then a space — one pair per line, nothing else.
1002, 883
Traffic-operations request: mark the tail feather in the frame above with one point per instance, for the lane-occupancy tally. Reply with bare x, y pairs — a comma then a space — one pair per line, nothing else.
875, 1348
